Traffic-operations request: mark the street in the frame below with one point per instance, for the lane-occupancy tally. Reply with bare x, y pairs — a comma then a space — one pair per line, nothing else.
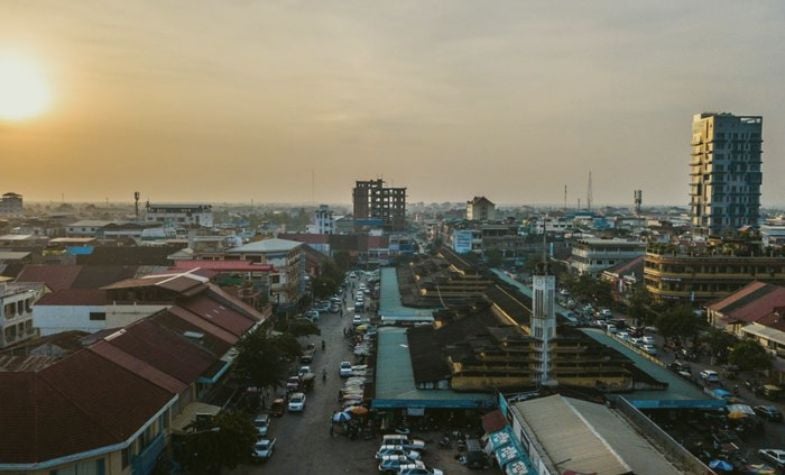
304, 444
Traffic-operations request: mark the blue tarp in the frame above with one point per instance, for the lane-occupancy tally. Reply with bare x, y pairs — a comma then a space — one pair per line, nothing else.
706, 404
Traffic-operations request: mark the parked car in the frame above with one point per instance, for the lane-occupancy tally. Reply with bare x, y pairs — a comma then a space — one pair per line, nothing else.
710, 376
312, 315
263, 450
680, 366
397, 450
357, 319
345, 369
775, 456
606, 313
392, 463
403, 441
648, 339
262, 423
418, 468
293, 383
297, 402
650, 349
304, 370
611, 329
769, 412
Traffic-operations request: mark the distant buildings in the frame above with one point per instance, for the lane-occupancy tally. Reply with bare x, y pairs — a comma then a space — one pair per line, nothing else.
180, 214
725, 171
592, 256
11, 204
323, 221
480, 208
287, 282
376, 203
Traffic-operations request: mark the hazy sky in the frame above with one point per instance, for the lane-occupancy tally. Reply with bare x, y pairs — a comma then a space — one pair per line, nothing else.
229, 101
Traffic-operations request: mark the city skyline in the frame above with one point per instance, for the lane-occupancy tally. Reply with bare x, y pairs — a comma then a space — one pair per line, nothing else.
260, 101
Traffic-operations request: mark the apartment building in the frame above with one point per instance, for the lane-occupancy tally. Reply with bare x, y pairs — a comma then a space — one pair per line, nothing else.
592, 255
725, 171
11, 204
374, 201
480, 208
16, 312
287, 281
180, 214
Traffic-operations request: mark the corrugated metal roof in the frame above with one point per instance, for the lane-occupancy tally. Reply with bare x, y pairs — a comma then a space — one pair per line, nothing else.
267, 245
765, 332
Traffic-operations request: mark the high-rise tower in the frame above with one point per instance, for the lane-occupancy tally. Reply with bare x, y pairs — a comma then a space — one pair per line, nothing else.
725, 171
543, 321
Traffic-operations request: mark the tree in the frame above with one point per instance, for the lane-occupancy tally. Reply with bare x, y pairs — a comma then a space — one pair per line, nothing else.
261, 360
639, 302
719, 343
343, 261
302, 327
678, 322
324, 287
749, 356
224, 441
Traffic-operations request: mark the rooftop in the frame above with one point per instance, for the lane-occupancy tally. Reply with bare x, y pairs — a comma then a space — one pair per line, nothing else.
395, 386
586, 437
267, 245
390, 305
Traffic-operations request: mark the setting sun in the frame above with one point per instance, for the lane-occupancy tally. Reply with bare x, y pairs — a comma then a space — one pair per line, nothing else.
23, 91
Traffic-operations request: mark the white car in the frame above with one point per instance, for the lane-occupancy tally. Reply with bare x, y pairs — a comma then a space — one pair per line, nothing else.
403, 441
650, 349
418, 468
775, 456
647, 340
304, 370
357, 319
606, 313
710, 376
345, 370
262, 423
397, 450
297, 402
263, 449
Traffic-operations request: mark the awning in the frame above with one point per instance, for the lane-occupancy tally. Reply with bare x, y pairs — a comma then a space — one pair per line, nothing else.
516, 467
507, 454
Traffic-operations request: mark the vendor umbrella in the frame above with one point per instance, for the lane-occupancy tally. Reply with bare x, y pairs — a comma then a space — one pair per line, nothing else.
342, 417
721, 465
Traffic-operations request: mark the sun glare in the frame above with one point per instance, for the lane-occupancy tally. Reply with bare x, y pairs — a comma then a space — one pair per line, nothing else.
23, 91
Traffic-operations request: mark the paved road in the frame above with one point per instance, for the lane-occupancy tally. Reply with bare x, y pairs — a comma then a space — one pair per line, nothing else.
304, 445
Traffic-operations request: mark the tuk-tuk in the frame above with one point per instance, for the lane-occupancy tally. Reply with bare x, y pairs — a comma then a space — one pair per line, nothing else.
278, 407
307, 381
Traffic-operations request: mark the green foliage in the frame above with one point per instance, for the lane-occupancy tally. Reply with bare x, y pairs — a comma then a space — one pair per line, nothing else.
225, 441
262, 360
588, 288
640, 306
324, 287
749, 356
719, 343
302, 327
343, 262
678, 322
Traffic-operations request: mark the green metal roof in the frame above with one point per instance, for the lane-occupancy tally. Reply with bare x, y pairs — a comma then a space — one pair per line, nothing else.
395, 385
678, 387
390, 305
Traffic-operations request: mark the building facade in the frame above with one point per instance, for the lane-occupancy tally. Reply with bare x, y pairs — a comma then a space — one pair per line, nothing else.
701, 276
725, 171
372, 200
592, 256
16, 312
480, 208
287, 281
11, 204
180, 214
323, 221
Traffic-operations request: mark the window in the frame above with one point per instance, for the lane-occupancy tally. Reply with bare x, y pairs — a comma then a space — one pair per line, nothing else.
97, 316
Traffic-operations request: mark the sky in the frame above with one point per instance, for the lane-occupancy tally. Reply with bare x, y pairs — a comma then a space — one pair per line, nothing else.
292, 101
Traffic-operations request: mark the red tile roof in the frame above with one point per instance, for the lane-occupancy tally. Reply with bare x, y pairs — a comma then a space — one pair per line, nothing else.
222, 266
753, 302
138, 366
171, 353
220, 315
56, 277
81, 403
